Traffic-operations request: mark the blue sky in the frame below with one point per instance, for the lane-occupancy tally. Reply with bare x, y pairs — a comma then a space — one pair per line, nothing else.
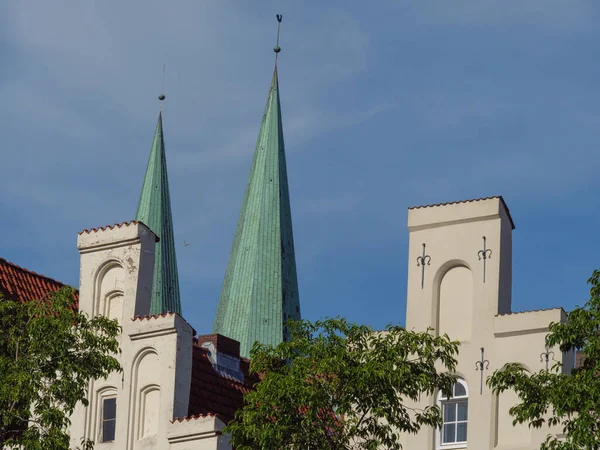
386, 105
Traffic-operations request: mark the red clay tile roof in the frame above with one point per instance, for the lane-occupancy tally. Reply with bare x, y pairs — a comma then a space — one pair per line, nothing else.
470, 201
211, 393
21, 284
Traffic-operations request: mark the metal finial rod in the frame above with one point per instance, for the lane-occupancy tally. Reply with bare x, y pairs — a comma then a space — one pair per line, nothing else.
421, 261
277, 49
279, 18
484, 254
482, 365
546, 356
162, 96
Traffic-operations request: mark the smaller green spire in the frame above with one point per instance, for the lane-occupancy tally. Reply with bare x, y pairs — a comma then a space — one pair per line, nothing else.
154, 210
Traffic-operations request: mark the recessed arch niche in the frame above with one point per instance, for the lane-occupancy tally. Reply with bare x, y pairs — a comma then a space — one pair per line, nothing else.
145, 413
507, 434
455, 303
109, 287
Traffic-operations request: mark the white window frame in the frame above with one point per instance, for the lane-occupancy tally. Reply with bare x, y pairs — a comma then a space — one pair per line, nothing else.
104, 399
441, 401
104, 393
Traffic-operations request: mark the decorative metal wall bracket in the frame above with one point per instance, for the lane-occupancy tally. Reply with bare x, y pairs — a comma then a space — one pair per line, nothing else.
546, 356
421, 261
482, 365
484, 254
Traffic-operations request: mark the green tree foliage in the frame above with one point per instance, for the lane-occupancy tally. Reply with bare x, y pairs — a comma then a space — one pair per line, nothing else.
551, 397
339, 386
48, 354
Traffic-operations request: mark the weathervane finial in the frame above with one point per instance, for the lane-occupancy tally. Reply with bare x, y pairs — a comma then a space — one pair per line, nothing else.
277, 49
162, 96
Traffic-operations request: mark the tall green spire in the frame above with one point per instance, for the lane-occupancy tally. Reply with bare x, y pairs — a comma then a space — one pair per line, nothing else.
260, 290
154, 210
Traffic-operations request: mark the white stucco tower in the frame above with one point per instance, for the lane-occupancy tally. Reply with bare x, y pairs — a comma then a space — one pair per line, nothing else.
459, 283
442, 289
133, 409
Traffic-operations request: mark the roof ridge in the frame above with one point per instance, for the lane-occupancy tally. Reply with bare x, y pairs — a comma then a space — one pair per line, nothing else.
530, 311
456, 202
431, 205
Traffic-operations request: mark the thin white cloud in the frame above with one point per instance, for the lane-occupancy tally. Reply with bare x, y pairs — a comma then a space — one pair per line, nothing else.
79, 94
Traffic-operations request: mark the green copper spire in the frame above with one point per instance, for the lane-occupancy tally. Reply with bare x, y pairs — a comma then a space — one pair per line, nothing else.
154, 210
260, 291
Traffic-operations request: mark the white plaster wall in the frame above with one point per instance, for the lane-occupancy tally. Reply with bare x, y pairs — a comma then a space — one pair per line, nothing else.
115, 262
159, 355
156, 353
468, 311
507, 434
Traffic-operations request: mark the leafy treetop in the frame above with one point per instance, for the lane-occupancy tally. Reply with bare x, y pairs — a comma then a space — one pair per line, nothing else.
48, 354
336, 385
552, 397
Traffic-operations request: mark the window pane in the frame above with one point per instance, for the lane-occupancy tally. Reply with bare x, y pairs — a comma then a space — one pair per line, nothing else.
108, 430
462, 410
459, 390
450, 412
461, 432
448, 435
109, 408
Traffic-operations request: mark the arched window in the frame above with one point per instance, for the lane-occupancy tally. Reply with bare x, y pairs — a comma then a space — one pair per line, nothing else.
109, 419
455, 411
106, 414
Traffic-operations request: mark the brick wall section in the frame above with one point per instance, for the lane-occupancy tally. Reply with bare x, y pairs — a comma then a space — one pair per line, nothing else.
211, 392
222, 343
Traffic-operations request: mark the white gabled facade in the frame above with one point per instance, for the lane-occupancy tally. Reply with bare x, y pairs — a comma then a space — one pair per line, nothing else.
448, 293
164, 365
153, 390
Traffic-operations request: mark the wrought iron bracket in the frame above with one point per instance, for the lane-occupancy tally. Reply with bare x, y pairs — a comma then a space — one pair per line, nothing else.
421, 262
484, 255
482, 365
546, 356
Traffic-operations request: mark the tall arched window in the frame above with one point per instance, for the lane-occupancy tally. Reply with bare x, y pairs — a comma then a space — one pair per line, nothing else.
106, 414
455, 411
